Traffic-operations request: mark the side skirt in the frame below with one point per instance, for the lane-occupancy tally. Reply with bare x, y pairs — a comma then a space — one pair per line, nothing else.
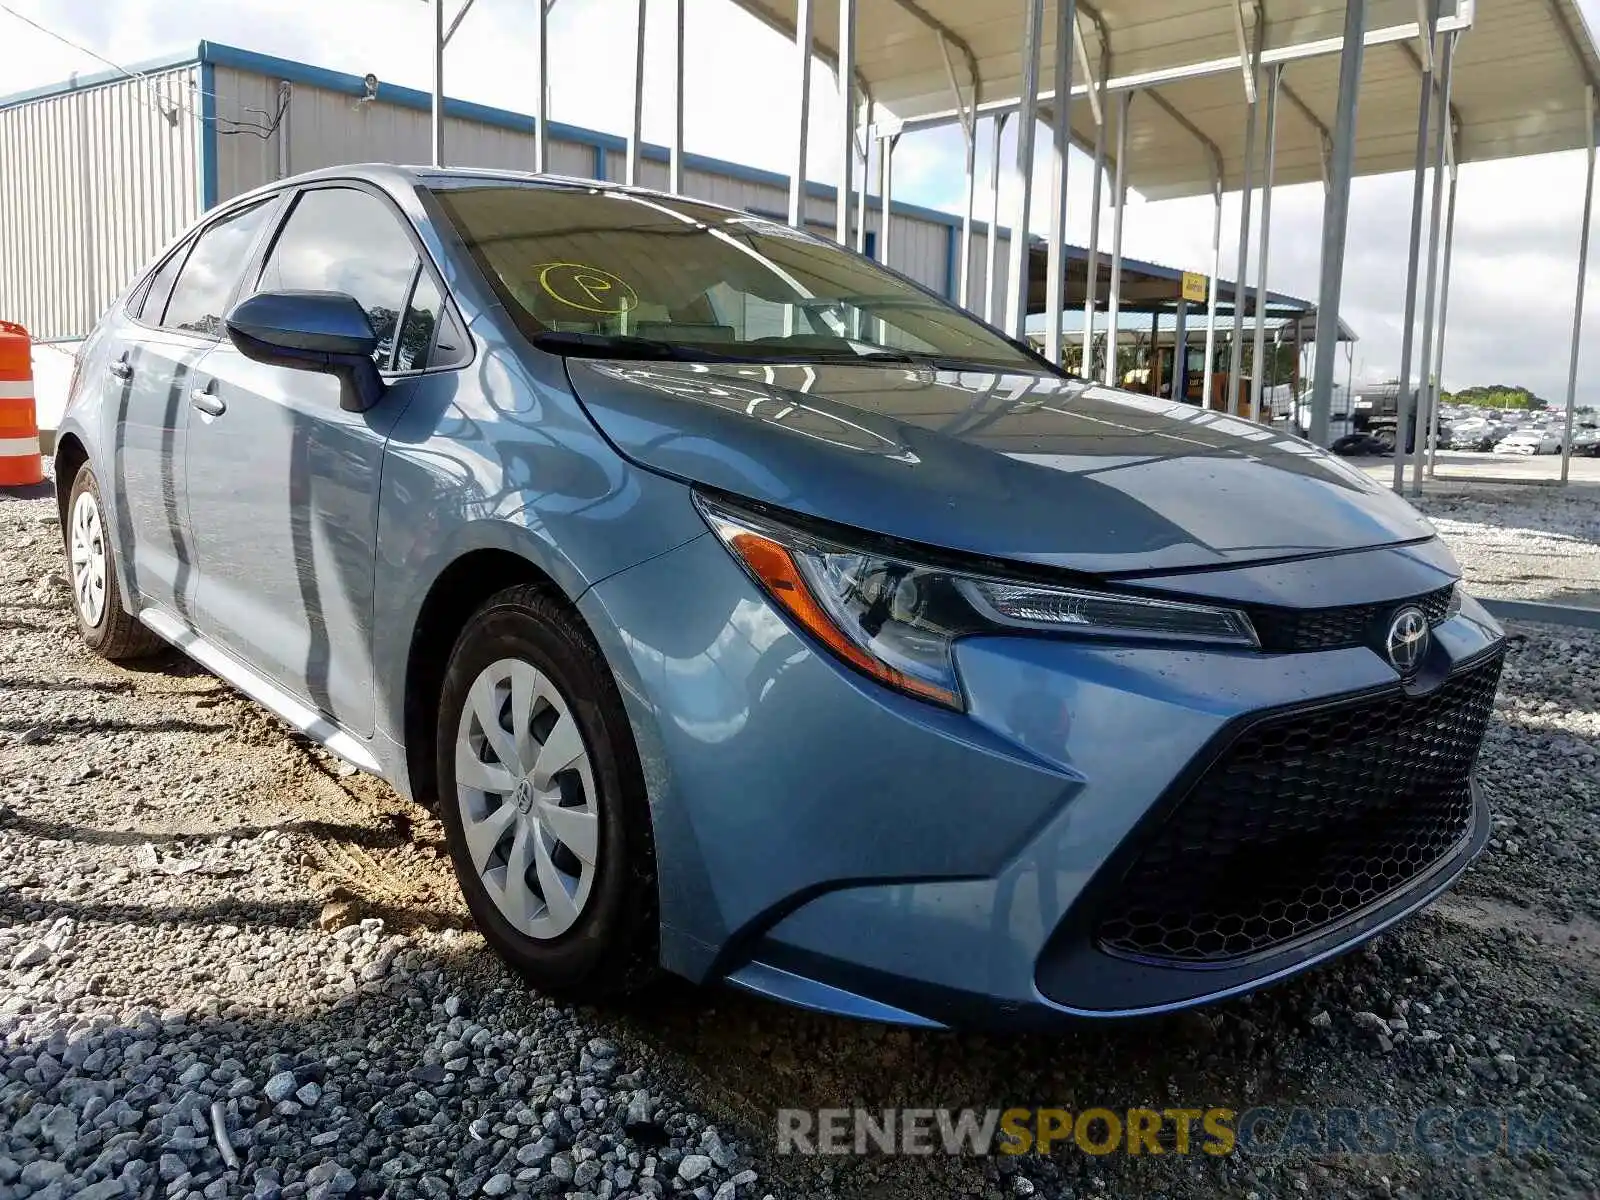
263, 691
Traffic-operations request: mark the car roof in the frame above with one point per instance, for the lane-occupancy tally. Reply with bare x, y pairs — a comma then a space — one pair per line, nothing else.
396, 176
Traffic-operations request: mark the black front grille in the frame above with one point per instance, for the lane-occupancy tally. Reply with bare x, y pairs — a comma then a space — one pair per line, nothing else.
1305, 818
1290, 630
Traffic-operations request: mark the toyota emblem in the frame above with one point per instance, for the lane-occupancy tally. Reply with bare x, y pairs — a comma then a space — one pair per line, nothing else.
1407, 640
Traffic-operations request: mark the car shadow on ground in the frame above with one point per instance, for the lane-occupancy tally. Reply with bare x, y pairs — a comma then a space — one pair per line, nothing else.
28, 491
391, 1114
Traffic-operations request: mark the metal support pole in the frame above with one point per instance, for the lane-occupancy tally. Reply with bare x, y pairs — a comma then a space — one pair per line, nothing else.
1403, 402
1119, 201
1211, 292
541, 131
964, 295
967, 118
866, 176
437, 121
797, 179
1250, 61
1236, 344
675, 154
847, 116
1180, 352
1430, 290
992, 251
1060, 150
886, 156
1152, 360
282, 134
1027, 119
1092, 275
1258, 351
1336, 217
1583, 267
635, 131
1444, 312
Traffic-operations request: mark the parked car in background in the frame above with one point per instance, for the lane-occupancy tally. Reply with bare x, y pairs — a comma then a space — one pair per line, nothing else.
748, 611
1475, 433
1362, 445
1529, 441
1586, 441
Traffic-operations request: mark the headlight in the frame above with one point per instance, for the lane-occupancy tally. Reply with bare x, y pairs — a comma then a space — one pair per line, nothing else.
897, 620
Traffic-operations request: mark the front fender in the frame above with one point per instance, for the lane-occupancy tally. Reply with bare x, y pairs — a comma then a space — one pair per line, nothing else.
500, 457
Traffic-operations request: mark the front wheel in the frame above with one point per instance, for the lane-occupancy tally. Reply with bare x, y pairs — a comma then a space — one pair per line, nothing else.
543, 799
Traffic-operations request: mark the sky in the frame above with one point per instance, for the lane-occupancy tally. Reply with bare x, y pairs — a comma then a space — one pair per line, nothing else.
1517, 222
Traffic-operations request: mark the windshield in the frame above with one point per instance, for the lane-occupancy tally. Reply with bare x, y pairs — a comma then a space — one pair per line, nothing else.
597, 271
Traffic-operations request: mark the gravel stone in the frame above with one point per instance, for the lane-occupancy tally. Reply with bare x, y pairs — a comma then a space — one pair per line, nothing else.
280, 1087
693, 1166
31, 955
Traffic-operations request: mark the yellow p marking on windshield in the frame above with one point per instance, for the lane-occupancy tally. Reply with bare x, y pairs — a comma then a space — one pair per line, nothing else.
592, 289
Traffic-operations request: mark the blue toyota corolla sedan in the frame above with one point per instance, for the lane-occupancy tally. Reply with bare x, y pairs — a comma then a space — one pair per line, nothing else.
747, 611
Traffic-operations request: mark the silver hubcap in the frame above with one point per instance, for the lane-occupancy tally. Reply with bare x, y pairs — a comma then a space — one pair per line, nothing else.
88, 560
527, 796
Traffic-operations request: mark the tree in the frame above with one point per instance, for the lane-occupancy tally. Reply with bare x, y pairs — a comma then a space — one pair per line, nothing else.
1497, 395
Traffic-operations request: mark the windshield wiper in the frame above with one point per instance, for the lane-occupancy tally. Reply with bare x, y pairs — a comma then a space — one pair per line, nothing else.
619, 345
941, 362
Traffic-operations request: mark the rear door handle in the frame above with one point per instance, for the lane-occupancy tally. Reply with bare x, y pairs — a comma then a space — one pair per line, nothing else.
120, 369
207, 401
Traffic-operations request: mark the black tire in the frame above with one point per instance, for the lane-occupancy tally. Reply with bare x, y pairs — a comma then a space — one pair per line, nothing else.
613, 946
118, 636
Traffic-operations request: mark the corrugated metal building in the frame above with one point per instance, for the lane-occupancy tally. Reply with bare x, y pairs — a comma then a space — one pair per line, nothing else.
98, 174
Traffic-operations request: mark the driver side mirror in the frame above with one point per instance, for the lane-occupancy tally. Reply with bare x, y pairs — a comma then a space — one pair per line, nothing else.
312, 331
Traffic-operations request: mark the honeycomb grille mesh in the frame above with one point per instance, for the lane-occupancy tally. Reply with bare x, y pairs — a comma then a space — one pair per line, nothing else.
1298, 630
1305, 819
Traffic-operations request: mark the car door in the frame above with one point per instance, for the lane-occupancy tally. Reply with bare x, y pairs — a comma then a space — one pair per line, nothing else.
283, 483
160, 338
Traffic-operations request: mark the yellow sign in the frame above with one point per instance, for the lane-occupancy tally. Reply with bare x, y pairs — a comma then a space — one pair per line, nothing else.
1194, 286
579, 285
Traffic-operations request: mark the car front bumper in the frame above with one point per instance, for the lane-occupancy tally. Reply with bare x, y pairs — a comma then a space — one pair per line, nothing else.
829, 842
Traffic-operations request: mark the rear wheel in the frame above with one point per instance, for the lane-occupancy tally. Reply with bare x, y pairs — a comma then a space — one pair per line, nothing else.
108, 629
543, 800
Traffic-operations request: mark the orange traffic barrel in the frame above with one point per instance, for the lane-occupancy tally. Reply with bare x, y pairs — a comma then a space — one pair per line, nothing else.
20, 462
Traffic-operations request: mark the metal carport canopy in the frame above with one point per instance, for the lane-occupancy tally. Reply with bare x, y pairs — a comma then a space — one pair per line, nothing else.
1519, 76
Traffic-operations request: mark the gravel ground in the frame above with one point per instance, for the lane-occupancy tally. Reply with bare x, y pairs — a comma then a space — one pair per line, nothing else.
1523, 542
229, 967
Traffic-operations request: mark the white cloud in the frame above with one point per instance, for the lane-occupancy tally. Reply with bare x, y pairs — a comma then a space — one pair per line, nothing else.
1517, 223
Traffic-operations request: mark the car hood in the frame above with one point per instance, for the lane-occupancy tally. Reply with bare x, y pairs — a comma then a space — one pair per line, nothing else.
1032, 468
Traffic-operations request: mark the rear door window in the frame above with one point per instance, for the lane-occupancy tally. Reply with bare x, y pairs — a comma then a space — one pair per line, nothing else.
154, 300
341, 239
206, 281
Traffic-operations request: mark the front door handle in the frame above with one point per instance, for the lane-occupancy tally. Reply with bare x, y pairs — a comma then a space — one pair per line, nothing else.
207, 401
120, 369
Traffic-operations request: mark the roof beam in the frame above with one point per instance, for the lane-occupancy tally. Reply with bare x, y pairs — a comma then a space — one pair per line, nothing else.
1193, 130
1306, 111
1145, 80
1424, 42
1455, 113
449, 33
968, 121
949, 37
1084, 65
1249, 51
